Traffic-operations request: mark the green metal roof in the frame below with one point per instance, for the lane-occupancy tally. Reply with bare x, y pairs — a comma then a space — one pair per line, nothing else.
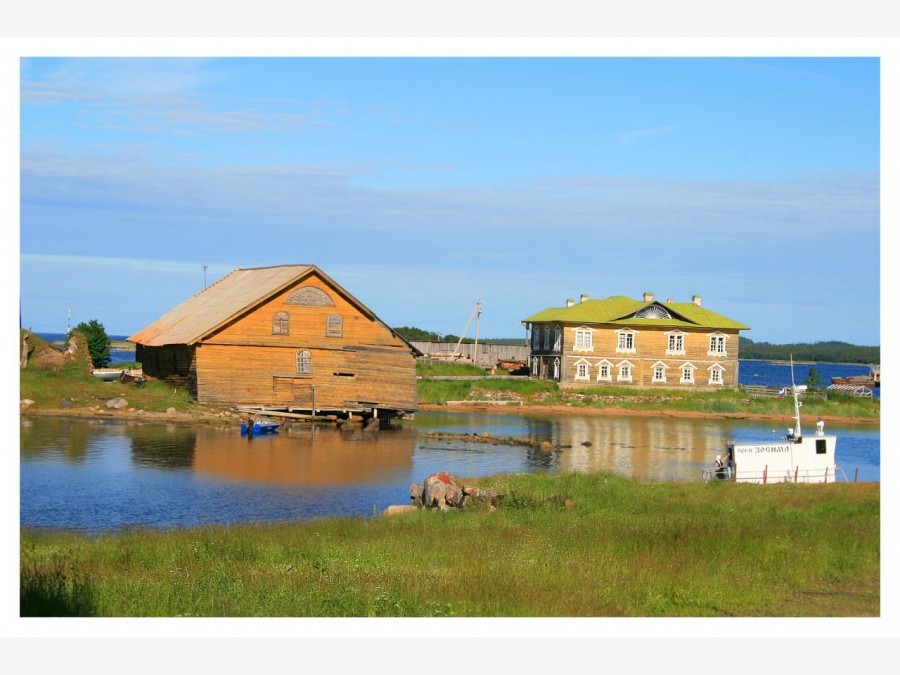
621, 310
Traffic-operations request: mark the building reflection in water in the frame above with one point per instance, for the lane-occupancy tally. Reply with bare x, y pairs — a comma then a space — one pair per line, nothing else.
305, 455
648, 449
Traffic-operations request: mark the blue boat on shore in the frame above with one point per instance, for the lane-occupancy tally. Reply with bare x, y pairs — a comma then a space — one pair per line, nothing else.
260, 426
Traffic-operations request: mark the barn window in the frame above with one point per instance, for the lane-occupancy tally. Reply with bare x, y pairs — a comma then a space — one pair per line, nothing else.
334, 326
535, 337
281, 324
547, 338
557, 339
304, 361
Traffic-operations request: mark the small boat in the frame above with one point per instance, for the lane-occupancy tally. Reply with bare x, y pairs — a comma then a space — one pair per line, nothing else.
107, 374
794, 459
263, 425
873, 379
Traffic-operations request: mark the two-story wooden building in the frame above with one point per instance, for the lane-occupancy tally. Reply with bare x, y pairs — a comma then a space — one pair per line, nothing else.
286, 337
620, 341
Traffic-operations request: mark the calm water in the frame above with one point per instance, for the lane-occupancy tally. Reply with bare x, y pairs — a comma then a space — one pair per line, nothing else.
104, 475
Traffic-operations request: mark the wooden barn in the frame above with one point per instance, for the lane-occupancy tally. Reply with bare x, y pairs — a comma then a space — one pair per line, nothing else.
286, 338
641, 343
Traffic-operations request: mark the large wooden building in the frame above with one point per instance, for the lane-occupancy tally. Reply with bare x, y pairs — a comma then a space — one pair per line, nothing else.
641, 343
286, 337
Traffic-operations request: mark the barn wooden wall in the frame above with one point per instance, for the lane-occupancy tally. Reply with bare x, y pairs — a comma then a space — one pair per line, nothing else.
245, 363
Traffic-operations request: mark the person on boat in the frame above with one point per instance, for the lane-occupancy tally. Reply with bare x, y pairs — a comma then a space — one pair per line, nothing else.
250, 427
820, 427
720, 467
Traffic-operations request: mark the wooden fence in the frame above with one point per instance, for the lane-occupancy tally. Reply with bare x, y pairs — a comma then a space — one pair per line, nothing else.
488, 354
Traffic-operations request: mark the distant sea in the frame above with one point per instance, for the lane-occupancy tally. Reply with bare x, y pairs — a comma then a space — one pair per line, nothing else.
752, 372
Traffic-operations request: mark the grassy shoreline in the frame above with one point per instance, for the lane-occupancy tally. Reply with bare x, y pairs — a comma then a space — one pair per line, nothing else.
558, 545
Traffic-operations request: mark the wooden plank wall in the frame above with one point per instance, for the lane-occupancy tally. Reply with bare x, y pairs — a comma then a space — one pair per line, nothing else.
650, 347
245, 363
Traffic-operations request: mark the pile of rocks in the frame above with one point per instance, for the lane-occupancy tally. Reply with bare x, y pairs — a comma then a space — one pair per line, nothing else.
440, 491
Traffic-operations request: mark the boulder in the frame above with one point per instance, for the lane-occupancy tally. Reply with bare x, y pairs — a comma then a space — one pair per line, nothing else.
171, 411
25, 403
117, 403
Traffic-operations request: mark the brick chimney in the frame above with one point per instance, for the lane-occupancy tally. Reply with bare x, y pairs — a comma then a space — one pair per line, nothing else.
648, 297
584, 297
569, 302
696, 300
670, 301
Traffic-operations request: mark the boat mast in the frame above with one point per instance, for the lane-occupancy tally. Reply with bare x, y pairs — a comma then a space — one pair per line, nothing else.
798, 433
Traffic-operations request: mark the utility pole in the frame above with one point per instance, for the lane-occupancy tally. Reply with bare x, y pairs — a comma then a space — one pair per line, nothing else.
477, 319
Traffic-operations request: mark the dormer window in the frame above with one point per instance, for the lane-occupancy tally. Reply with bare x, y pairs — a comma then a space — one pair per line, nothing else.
653, 312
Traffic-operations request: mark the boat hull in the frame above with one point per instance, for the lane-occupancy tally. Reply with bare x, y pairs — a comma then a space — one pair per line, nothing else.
259, 429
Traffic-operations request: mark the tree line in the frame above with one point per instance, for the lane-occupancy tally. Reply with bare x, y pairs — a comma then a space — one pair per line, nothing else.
827, 352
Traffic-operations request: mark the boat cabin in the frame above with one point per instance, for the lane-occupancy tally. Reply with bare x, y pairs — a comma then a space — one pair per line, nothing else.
796, 459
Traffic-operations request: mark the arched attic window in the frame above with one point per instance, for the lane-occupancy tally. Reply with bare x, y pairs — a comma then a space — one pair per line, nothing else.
653, 312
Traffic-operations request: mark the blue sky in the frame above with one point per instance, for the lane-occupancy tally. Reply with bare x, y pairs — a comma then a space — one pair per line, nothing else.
424, 184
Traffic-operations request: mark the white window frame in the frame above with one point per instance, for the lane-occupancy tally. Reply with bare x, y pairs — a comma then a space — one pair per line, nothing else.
584, 339
675, 336
656, 367
608, 366
622, 336
557, 339
583, 363
718, 344
687, 367
716, 368
304, 361
556, 369
630, 367
535, 367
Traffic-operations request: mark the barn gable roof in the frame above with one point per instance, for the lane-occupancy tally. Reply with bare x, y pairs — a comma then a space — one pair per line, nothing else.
230, 297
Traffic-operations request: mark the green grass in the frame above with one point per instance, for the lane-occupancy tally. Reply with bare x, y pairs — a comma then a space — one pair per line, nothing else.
620, 548
47, 388
447, 369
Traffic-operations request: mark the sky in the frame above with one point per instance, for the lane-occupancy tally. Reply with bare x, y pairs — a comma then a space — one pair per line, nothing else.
423, 185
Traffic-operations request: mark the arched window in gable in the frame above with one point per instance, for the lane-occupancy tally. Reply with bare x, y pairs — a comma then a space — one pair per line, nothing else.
281, 323
304, 361
334, 326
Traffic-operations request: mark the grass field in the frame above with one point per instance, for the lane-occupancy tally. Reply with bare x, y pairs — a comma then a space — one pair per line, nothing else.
558, 545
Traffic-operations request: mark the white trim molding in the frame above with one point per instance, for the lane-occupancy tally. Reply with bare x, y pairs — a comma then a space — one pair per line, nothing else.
718, 344
622, 336
587, 369
687, 367
677, 337
584, 339
659, 365
608, 366
622, 365
716, 374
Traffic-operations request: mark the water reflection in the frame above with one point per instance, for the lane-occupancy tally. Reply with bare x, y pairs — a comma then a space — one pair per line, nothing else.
305, 455
99, 475
162, 446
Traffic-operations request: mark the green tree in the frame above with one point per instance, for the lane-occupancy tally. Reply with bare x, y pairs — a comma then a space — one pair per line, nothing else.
813, 380
98, 342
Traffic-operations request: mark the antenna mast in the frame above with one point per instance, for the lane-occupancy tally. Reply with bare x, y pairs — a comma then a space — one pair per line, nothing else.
798, 432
